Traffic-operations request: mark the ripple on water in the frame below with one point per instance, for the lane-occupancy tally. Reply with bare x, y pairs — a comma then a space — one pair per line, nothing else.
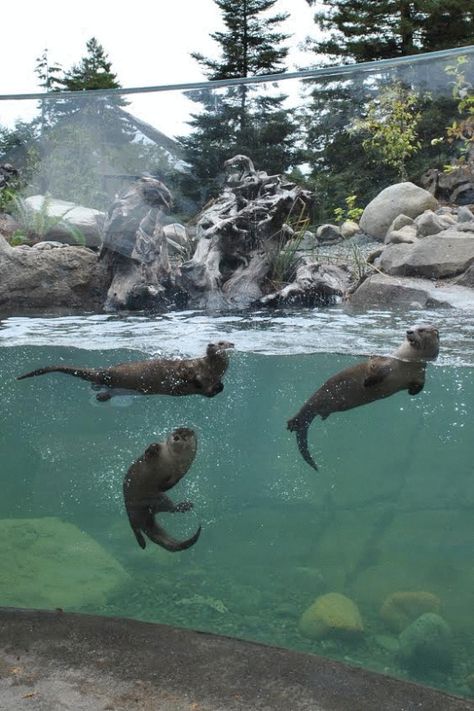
186, 333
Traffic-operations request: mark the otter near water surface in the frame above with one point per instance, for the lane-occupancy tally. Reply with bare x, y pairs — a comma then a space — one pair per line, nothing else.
373, 379
159, 376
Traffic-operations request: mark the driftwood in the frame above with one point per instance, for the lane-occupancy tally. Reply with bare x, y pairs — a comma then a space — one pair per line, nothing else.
135, 248
240, 235
314, 285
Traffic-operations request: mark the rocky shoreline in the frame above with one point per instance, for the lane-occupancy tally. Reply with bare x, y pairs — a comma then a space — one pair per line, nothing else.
246, 250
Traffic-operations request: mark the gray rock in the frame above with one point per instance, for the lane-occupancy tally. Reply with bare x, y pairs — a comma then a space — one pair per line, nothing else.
349, 228
328, 233
467, 278
308, 241
464, 214
399, 222
446, 254
404, 235
401, 198
380, 290
425, 645
429, 223
84, 219
47, 244
465, 227
70, 278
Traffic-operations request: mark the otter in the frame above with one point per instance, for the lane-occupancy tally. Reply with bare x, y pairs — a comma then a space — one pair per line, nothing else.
161, 376
159, 468
376, 378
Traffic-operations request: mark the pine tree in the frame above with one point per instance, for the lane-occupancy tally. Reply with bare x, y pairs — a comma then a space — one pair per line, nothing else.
241, 119
364, 30
80, 138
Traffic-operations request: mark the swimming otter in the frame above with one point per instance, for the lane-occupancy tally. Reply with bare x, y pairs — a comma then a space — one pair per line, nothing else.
161, 376
375, 378
161, 466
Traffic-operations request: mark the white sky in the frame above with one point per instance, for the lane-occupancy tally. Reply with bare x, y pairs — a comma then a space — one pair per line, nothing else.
148, 42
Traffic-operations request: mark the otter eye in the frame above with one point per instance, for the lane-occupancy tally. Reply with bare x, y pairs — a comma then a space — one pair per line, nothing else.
175, 438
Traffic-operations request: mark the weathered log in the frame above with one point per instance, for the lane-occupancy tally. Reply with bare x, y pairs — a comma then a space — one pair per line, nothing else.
314, 285
240, 235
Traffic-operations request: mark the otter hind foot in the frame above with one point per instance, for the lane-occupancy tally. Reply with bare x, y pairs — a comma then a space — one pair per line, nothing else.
159, 536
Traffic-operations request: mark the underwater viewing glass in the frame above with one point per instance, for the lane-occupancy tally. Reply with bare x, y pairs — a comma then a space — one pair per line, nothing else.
381, 538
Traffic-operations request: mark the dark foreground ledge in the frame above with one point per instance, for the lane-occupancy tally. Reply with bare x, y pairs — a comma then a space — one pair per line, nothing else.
50, 661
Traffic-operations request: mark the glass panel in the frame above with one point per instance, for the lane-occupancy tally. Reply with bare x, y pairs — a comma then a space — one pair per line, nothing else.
172, 245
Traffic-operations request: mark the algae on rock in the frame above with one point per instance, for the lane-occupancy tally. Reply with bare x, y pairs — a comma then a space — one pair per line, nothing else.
48, 563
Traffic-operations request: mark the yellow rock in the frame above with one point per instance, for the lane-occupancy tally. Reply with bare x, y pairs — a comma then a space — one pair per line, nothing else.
331, 615
402, 608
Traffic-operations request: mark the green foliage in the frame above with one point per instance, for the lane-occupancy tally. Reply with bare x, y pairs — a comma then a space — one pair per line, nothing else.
35, 224
461, 132
364, 30
391, 123
350, 212
284, 257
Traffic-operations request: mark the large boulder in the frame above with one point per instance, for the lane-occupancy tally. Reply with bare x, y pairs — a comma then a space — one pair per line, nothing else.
399, 199
62, 277
445, 254
49, 563
380, 290
70, 223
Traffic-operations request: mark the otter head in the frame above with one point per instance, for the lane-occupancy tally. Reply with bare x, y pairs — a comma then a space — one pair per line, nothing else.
219, 348
182, 439
421, 343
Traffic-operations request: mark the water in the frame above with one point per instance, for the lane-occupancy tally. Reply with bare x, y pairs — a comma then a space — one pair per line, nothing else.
390, 509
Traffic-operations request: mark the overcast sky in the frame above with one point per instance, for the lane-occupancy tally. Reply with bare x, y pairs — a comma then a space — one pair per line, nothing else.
148, 42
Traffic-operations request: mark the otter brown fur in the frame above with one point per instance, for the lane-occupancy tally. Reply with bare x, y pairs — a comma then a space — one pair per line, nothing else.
161, 376
376, 378
159, 468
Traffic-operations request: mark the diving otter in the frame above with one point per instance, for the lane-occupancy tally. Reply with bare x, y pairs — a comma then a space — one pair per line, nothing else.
375, 378
161, 376
161, 466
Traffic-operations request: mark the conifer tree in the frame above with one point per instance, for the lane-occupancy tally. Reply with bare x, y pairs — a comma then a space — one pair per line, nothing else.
241, 119
363, 30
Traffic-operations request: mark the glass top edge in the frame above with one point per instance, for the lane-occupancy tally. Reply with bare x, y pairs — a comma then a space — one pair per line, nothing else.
321, 72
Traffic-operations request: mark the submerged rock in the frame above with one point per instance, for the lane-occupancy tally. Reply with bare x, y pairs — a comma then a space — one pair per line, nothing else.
425, 645
331, 615
401, 608
49, 563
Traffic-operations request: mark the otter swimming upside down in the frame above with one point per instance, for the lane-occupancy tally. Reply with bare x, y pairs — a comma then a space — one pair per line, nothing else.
159, 468
376, 378
160, 376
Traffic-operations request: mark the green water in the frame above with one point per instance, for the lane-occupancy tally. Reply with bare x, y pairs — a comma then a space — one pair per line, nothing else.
391, 508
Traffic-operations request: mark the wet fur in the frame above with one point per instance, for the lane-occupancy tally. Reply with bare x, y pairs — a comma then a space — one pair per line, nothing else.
374, 379
161, 376
159, 468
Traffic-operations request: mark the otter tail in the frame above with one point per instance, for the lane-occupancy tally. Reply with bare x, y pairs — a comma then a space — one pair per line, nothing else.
301, 428
85, 373
158, 535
